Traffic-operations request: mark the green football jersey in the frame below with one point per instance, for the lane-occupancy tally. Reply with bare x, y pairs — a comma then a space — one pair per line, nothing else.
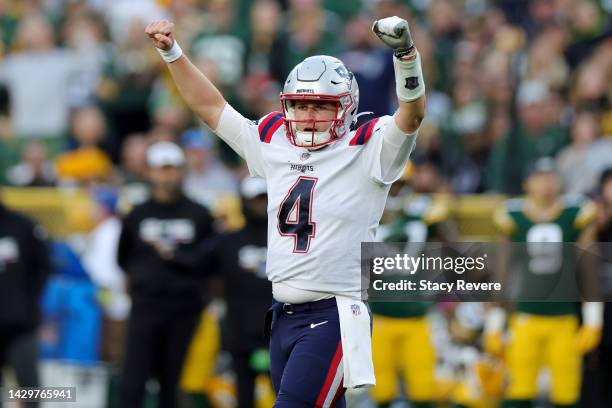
545, 263
421, 215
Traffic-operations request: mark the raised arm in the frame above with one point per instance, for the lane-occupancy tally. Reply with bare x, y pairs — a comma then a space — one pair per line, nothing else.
410, 86
199, 93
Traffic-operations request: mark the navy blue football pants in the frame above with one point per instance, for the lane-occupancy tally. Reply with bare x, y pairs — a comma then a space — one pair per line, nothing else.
306, 355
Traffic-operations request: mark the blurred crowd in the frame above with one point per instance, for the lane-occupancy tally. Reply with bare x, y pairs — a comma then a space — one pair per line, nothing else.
83, 94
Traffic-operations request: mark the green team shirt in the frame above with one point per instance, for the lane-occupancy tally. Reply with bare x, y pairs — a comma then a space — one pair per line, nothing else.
545, 265
421, 215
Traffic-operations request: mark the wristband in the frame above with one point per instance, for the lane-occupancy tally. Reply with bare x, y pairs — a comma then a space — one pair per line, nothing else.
409, 84
175, 52
495, 320
592, 314
402, 52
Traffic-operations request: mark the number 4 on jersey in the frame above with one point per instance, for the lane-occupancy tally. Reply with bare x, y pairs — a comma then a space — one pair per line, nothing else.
295, 214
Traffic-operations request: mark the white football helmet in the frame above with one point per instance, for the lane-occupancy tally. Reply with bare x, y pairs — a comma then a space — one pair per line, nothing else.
326, 79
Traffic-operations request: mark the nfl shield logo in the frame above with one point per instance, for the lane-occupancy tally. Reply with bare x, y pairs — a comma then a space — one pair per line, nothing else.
356, 310
411, 83
305, 156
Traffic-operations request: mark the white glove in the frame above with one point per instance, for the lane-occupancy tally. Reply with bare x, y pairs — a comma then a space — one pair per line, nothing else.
395, 33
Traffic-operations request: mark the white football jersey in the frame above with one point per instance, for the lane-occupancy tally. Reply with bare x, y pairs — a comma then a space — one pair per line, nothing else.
321, 204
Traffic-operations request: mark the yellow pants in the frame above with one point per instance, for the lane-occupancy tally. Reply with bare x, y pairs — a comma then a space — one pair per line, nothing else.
403, 346
199, 366
198, 374
544, 341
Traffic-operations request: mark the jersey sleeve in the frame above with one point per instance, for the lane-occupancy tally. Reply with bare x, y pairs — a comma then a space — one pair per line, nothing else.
242, 135
386, 149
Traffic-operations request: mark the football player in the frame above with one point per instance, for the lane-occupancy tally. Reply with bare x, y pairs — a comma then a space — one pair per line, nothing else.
327, 185
401, 336
545, 333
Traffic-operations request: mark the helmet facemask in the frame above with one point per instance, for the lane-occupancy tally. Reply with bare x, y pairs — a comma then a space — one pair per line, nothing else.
319, 78
310, 137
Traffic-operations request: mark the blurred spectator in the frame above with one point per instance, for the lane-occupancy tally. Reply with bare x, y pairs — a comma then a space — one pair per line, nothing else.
260, 94
206, 179
133, 171
545, 60
84, 33
88, 127
443, 20
127, 83
100, 261
537, 134
604, 237
72, 315
540, 14
571, 161
24, 268
34, 170
189, 16
426, 177
589, 28
134, 158
312, 30
121, 14
87, 163
167, 295
8, 26
464, 146
38, 78
239, 259
591, 88
267, 48
372, 66
169, 117
597, 159
220, 45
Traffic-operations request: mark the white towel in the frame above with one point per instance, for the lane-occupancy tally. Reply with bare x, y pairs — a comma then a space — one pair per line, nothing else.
356, 343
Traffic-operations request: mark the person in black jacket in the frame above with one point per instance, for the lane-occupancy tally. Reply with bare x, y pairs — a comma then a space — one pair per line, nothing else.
167, 298
239, 260
24, 268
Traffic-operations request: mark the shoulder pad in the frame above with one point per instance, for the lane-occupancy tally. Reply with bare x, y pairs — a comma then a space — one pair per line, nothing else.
268, 125
364, 133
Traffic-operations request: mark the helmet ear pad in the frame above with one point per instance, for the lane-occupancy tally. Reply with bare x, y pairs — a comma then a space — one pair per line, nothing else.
325, 79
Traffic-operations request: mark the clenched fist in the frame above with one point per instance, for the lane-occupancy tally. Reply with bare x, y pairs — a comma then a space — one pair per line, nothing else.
395, 33
161, 33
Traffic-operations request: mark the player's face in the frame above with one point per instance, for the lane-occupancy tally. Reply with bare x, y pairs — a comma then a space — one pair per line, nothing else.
167, 178
543, 186
324, 112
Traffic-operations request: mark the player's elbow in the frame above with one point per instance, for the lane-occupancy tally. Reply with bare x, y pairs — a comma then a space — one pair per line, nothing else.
409, 123
414, 122
210, 113
410, 115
